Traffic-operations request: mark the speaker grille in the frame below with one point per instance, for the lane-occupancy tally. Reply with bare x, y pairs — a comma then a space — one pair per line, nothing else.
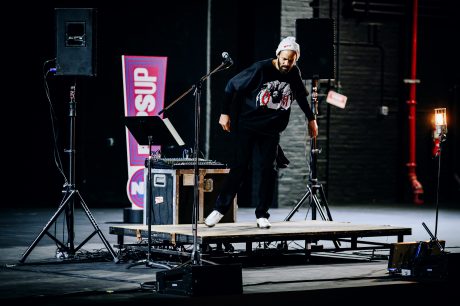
75, 41
317, 52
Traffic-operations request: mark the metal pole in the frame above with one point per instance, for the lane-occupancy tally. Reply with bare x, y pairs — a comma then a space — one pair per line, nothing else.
196, 260
70, 209
417, 189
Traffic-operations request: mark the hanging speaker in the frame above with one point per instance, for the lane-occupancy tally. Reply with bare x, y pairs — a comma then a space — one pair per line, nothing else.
317, 53
75, 41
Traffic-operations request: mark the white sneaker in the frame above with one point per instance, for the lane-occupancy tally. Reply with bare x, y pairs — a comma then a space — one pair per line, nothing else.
263, 223
213, 218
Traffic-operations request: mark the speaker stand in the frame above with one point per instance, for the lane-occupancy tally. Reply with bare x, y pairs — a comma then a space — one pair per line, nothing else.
314, 188
68, 202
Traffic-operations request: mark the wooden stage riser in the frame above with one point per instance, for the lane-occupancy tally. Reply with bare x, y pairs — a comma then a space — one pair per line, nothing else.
186, 239
309, 231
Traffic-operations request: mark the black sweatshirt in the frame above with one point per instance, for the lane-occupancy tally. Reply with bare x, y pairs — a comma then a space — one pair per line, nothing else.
264, 97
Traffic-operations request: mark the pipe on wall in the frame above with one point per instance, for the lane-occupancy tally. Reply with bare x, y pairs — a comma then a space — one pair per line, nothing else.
416, 186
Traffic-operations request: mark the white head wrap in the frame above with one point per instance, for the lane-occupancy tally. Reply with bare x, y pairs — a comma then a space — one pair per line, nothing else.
289, 43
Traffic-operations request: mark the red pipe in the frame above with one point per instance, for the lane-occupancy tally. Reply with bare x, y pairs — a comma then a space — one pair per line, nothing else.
417, 189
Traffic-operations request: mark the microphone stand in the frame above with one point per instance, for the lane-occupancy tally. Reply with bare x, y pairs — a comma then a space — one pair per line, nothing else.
442, 138
195, 256
192, 277
434, 238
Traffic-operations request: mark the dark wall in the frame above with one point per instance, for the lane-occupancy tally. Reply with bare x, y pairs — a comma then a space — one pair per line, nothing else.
439, 74
173, 29
364, 149
178, 30
369, 152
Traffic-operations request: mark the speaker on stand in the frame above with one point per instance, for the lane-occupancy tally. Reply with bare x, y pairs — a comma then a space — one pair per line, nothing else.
75, 41
75, 44
316, 39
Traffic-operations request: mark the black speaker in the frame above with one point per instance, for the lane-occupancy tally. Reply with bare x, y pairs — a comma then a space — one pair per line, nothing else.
317, 52
196, 280
75, 41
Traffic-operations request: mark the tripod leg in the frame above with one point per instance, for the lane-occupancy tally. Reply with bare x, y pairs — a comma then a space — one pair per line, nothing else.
47, 226
324, 201
69, 213
319, 208
96, 227
324, 211
297, 206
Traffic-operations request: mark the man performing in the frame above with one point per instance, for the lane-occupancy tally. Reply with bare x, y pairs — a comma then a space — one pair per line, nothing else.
263, 93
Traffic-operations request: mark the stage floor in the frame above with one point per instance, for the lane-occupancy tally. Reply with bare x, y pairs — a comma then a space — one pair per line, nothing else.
308, 232
326, 278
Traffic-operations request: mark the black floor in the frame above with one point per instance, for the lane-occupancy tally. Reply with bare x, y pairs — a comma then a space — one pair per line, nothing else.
92, 277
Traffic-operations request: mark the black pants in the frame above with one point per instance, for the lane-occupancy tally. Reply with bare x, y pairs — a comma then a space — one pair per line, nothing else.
264, 149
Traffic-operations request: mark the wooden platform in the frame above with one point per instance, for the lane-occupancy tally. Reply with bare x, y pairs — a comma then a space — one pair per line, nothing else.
247, 232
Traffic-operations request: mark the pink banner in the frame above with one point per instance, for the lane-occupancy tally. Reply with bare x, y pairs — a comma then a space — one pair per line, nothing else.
144, 79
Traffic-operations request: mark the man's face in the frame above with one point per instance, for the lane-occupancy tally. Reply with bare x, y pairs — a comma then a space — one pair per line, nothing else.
286, 60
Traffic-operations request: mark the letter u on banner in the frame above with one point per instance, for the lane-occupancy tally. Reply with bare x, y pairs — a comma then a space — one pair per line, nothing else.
144, 80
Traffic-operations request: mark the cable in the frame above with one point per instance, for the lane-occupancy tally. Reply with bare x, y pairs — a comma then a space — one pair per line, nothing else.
56, 154
53, 118
316, 280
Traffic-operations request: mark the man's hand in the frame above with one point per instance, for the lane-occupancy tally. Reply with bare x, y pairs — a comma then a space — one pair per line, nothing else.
224, 121
312, 128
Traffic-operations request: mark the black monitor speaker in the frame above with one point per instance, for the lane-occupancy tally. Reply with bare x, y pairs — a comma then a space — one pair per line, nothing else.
317, 52
75, 41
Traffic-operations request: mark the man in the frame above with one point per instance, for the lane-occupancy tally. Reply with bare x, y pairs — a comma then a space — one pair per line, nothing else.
263, 94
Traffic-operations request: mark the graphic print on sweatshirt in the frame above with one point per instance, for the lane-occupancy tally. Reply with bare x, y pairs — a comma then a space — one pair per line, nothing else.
274, 95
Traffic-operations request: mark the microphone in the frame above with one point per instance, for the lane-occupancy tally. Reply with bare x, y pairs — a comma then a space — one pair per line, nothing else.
227, 59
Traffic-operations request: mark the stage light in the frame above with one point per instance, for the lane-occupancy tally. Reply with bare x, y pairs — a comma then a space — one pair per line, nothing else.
440, 130
440, 121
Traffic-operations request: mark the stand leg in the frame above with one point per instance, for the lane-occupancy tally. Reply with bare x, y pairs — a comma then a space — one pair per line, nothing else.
69, 197
319, 208
297, 206
96, 228
190, 262
47, 226
148, 201
323, 208
433, 238
324, 200
150, 264
69, 215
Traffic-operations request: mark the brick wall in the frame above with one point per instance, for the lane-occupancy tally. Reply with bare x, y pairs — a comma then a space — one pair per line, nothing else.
363, 153
294, 141
360, 153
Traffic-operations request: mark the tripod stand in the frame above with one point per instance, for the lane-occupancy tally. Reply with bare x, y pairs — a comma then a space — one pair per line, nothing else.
314, 190
442, 132
192, 277
68, 202
431, 260
151, 130
226, 63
